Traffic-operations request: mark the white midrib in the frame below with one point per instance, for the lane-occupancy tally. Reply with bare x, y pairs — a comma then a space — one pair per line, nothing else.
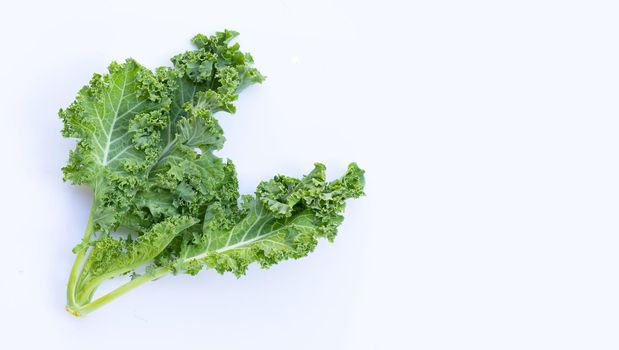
237, 245
109, 134
231, 247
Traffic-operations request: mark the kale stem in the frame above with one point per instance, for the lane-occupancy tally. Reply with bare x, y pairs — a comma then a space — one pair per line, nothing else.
97, 303
79, 259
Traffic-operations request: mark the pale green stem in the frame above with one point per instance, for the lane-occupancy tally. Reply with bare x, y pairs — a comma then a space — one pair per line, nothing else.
97, 303
79, 259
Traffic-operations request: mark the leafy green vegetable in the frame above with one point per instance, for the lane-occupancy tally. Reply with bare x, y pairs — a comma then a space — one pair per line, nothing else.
164, 203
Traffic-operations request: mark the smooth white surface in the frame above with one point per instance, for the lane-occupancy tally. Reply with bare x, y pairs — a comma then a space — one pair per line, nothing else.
488, 130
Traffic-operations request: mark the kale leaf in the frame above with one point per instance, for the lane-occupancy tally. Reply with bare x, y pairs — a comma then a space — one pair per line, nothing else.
163, 202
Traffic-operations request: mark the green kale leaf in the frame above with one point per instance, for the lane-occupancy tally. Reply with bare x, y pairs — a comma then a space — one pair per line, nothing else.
163, 202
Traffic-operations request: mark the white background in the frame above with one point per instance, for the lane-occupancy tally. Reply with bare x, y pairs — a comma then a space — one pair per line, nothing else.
488, 130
